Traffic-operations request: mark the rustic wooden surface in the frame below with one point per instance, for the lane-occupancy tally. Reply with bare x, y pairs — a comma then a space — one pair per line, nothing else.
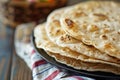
11, 66
19, 70
5, 52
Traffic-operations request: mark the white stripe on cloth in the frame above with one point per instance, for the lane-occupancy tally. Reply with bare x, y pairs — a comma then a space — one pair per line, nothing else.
41, 68
60, 74
54, 74
35, 58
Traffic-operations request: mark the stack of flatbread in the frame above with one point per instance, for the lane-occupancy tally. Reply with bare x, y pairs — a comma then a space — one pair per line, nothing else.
85, 36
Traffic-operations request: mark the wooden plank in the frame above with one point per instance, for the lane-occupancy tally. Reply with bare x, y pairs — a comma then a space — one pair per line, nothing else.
6, 36
11, 66
5, 64
2, 62
20, 70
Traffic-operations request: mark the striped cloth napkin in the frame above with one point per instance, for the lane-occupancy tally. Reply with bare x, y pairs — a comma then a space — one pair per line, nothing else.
41, 70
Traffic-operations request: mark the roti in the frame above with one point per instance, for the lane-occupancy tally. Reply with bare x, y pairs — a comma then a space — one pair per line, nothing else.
81, 65
42, 41
58, 36
95, 23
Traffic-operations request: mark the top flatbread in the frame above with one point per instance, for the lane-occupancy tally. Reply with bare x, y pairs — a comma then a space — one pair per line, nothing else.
58, 36
95, 23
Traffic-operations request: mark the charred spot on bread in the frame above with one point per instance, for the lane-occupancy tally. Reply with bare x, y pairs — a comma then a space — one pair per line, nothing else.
69, 23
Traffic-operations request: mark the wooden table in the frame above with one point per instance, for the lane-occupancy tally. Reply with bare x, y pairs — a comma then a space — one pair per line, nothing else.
11, 66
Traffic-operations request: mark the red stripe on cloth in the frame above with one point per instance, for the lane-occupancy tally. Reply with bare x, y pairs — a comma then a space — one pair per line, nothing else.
53, 75
33, 52
38, 63
77, 77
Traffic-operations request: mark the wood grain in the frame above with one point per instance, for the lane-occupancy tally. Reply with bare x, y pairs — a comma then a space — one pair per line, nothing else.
6, 37
20, 70
11, 66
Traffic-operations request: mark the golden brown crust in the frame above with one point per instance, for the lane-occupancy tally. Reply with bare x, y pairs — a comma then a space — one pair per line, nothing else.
78, 64
101, 25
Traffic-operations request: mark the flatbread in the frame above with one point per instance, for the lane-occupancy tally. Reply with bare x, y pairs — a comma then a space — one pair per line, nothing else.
58, 36
78, 64
42, 41
95, 23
